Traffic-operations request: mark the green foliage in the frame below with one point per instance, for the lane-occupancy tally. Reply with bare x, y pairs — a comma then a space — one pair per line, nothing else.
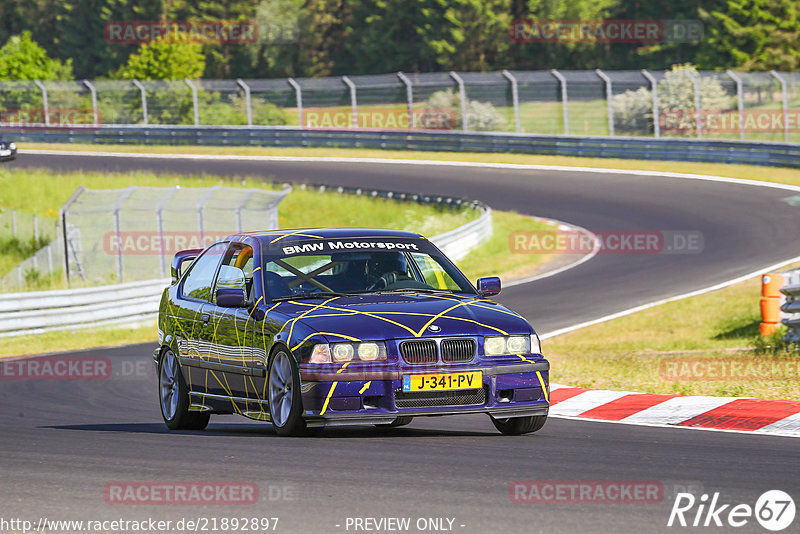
756, 35
633, 110
481, 116
21, 58
169, 58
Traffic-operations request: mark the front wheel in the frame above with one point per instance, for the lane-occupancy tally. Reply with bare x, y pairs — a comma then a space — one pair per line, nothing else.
515, 426
285, 400
174, 397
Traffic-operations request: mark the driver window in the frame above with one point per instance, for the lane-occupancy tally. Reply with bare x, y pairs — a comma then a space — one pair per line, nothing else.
240, 257
198, 281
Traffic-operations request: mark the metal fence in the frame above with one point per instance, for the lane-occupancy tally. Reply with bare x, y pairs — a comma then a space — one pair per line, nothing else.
133, 302
706, 104
123, 235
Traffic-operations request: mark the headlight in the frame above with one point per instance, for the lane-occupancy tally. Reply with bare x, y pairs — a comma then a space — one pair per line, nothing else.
369, 351
494, 346
12, 146
343, 352
505, 345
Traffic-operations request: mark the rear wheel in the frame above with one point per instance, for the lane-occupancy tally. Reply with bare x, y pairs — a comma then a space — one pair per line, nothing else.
400, 421
285, 400
174, 396
515, 426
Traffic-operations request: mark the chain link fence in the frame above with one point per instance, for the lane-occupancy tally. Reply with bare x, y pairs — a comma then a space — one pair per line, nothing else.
125, 235
681, 103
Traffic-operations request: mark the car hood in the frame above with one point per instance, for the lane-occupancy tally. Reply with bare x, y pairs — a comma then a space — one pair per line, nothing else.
373, 317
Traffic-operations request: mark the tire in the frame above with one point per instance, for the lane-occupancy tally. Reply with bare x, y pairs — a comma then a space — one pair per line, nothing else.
516, 426
400, 421
285, 399
173, 396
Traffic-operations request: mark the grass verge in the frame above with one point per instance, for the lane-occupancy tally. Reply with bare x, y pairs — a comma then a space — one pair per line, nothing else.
704, 345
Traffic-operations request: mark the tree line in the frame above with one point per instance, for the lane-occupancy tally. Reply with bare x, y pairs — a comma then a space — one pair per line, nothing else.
64, 39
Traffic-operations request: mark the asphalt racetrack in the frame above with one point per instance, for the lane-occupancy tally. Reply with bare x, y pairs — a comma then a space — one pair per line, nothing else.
63, 442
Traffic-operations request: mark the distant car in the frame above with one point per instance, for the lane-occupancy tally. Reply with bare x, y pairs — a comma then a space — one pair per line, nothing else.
313, 328
8, 150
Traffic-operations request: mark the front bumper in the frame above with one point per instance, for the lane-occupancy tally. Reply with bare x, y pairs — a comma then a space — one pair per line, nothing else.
364, 396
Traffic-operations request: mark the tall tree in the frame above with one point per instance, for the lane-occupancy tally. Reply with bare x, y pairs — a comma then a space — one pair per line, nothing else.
21, 58
752, 35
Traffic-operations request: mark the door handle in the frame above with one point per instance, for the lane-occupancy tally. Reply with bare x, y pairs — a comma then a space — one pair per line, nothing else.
205, 318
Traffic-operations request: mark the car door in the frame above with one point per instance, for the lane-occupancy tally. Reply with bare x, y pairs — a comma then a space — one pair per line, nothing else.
192, 315
232, 328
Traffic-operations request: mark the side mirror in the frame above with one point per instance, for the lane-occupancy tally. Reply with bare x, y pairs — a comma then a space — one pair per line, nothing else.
488, 286
230, 298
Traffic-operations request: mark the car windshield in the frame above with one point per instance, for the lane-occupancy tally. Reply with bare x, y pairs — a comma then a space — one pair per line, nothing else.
309, 269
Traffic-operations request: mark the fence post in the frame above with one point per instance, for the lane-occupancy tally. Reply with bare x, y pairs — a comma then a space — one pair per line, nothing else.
409, 98
514, 97
563, 82
299, 95
91, 88
36, 228
739, 100
45, 104
118, 227
195, 106
654, 92
609, 99
785, 96
247, 103
353, 101
698, 119
14, 223
160, 225
462, 91
139, 85
63, 218
200, 208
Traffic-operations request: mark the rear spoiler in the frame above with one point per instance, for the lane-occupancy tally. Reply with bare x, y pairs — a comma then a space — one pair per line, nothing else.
179, 259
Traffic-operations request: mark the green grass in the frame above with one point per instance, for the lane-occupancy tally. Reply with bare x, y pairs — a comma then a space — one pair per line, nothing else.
632, 353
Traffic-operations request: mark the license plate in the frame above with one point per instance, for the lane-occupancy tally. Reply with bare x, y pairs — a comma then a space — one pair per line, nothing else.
5, 152
443, 381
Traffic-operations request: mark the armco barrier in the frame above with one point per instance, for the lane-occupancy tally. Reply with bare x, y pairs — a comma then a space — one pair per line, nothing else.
670, 149
43, 311
791, 308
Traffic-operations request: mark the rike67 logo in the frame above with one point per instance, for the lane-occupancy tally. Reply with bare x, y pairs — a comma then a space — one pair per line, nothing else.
774, 510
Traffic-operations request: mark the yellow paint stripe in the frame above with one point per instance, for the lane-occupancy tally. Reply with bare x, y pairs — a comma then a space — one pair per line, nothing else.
440, 314
544, 387
330, 393
359, 312
365, 388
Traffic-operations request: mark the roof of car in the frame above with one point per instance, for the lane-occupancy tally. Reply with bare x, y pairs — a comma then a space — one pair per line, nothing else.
301, 234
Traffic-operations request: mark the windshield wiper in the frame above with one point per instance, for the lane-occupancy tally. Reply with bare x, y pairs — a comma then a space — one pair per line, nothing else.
318, 295
414, 290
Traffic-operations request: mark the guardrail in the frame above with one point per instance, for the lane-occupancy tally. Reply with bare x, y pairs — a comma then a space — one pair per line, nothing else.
44, 311
669, 149
791, 308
